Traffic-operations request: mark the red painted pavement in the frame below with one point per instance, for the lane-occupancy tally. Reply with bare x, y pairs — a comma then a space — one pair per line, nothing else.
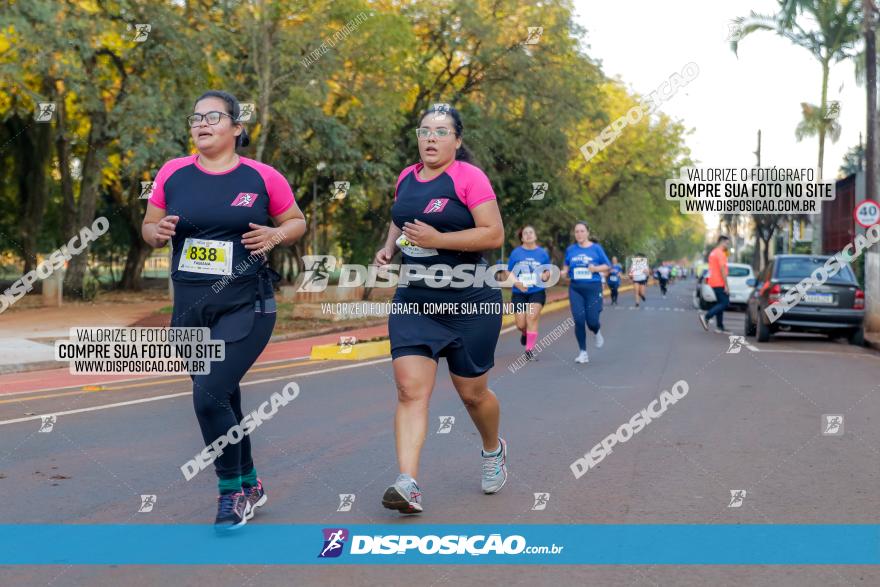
288, 349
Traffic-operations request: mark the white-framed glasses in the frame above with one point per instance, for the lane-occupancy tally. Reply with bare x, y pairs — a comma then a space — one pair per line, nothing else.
426, 133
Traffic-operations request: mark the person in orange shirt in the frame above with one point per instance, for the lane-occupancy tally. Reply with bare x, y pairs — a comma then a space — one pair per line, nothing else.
717, 280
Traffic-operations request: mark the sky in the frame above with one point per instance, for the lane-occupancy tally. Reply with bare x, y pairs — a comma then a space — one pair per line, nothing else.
644, 42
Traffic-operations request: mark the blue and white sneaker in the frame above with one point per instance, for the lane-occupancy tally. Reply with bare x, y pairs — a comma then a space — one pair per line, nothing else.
404, 496
495, 469
231, 512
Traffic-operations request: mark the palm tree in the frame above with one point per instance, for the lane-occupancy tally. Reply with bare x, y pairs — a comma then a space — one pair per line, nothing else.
814, 121
830, 30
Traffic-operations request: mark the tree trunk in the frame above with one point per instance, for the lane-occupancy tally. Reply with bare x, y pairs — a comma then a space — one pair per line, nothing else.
132, 277
138, 250
265, 30
90, 187
765, 253
34, 147
756, 255
62, 151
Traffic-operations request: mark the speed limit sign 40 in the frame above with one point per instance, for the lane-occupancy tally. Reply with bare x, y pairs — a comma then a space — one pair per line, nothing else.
867, 213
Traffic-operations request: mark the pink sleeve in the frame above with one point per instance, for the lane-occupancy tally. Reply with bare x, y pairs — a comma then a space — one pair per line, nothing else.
280, 195
402, 175
157, 197
471, 185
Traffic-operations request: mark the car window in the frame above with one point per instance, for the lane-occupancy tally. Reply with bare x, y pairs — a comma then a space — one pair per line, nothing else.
800, 267
737, 271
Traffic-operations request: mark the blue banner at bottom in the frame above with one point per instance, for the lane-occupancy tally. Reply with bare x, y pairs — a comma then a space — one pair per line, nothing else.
593, 544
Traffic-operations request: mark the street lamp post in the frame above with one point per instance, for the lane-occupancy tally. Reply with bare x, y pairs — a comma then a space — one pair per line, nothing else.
319, 167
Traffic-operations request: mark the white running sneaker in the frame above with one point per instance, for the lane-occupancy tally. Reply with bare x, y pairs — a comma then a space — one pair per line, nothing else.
600, 340
582, 357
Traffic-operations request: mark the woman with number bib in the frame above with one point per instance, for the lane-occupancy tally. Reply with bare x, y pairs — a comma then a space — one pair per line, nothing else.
444, 214
585, 261
215, 207
528, 264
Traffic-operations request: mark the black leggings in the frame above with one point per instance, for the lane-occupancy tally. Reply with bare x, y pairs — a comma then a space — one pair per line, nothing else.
613, 287
217, 397
229, 312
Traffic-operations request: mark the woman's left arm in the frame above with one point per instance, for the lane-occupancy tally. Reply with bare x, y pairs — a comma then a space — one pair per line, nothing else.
290, 225
487, 234
604, 266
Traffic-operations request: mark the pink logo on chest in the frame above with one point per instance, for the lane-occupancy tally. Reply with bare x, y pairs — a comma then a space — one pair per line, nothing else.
245, 200
436, 205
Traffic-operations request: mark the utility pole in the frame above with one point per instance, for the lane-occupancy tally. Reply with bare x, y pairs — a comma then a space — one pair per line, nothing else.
872, 255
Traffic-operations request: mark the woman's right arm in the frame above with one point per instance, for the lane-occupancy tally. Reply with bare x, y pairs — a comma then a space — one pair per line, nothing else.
384, 255
157, 228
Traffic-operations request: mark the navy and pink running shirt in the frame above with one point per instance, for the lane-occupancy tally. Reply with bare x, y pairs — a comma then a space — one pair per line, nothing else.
219, 207
445, 202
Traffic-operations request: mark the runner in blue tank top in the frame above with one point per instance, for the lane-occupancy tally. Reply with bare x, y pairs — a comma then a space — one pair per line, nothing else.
585, 261
215, 207
444, 214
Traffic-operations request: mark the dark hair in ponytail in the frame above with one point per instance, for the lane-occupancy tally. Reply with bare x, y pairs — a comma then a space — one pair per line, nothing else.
462, 153
233, 109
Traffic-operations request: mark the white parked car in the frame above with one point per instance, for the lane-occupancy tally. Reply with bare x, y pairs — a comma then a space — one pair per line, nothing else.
740, 280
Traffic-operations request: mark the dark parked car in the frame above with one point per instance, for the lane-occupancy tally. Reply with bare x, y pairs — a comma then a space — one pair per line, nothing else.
836, 308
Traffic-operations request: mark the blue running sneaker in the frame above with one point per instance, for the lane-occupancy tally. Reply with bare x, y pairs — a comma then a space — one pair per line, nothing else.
495, 469
404, 496
231, 510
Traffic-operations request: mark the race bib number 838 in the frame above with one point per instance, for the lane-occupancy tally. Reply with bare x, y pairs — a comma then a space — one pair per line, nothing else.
206, 256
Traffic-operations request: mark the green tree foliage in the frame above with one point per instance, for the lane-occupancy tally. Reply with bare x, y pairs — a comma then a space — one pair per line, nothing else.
335, 81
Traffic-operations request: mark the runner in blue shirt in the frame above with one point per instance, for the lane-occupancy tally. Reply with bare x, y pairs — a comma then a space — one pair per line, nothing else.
585, 261
528, 296
614, 279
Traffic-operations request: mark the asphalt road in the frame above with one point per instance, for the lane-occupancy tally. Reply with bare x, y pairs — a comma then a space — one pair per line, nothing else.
752, 420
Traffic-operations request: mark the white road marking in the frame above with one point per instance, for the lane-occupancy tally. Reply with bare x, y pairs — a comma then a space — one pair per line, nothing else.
158, 379
173, 395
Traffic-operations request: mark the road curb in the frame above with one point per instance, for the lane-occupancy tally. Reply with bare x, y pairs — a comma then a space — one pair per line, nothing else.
356, 352
382, 348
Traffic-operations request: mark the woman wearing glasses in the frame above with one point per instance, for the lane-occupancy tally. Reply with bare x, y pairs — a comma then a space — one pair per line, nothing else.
444, 215
215, 207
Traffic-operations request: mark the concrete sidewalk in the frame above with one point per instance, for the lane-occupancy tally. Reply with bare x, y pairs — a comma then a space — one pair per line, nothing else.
27, 337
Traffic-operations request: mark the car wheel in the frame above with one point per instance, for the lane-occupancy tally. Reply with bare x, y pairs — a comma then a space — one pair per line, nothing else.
763, 331
750, 326
857, 336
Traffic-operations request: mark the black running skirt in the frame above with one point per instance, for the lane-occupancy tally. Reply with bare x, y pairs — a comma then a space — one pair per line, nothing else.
460, 324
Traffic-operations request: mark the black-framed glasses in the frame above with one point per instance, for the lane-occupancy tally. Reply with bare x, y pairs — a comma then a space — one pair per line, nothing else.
440, 133
212, 118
